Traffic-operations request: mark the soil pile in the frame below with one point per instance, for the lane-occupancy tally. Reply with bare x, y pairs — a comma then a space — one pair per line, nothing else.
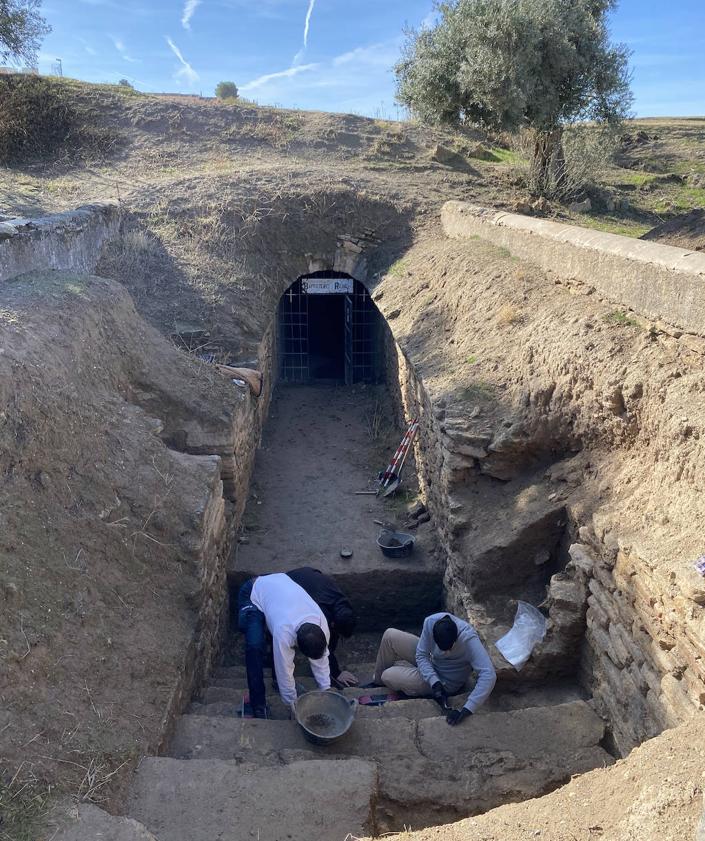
686, 231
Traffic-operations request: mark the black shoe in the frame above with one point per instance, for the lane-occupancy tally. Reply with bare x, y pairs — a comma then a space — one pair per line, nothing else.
260, 712
371, 685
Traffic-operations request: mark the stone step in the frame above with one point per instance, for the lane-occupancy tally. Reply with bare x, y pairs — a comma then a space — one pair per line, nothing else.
262, 742
216, 702
277, 709
236, 676
247, 740
425, 767
233, 694
206, 800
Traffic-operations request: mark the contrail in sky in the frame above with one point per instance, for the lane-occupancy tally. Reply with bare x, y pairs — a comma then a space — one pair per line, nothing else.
186, 70
190, 7
307, 25
298, 58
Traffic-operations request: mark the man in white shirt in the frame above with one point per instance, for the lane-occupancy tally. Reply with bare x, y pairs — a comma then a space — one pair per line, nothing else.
293, 619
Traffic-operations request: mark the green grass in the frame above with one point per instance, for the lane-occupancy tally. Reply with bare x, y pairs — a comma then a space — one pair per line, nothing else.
681, 199
620, 319
471, 360
615, 225
506, 156
24, 805
397, 269
631, 178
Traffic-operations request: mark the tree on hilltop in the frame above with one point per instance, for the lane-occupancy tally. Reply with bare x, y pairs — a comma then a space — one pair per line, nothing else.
21, 30
518, 64
226, 90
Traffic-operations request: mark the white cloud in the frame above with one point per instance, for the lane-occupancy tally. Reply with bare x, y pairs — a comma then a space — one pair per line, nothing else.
122, 49
186, 71
376, 55
190, 7
281, 74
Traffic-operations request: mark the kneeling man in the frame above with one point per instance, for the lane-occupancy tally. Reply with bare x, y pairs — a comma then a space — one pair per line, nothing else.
437, 664
293, 619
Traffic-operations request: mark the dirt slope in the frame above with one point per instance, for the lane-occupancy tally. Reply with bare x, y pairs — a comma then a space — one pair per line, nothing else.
101, 528
686, 231
594, 409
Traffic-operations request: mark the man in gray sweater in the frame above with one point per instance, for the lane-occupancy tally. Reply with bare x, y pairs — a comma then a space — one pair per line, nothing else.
437, 664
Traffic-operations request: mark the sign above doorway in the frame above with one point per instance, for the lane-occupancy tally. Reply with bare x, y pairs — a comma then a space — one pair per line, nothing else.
327, 286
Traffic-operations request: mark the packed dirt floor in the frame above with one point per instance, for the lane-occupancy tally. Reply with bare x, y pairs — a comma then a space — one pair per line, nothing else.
321, 445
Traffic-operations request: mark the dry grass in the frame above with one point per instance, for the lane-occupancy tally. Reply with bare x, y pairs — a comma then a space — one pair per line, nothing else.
509, 315
41, 120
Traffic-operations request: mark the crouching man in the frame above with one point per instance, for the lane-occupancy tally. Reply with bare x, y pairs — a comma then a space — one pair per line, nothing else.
293, 619
437, 664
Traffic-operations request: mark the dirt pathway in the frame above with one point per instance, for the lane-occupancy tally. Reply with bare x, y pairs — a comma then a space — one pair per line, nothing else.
318, 450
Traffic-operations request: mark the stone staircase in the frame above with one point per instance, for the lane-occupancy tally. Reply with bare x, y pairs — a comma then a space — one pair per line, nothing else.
226, 778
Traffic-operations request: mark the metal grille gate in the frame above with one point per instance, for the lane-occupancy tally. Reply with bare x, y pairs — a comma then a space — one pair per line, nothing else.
360, 331
293, 335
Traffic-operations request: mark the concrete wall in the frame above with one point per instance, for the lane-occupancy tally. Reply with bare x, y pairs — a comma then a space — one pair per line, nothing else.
71, 241
659, 282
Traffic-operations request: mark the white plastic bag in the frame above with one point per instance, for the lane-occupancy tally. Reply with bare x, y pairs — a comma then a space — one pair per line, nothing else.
529, 628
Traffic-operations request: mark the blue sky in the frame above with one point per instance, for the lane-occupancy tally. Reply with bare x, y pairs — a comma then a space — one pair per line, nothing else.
331, 55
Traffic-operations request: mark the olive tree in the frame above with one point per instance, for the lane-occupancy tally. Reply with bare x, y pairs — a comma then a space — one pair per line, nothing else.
508, 65
21, 30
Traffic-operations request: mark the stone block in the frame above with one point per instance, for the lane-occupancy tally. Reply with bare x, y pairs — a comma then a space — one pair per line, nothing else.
177, 800
87, 822
522, 732
250, 740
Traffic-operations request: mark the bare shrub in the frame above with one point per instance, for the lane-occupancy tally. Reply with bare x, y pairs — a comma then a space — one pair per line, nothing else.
577, 162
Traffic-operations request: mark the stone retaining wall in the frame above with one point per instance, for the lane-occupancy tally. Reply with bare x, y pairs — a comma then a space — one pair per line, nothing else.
660, 282
68, 241
644, 657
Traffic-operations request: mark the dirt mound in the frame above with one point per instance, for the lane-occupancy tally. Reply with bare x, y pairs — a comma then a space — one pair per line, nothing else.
101, 528
686, 231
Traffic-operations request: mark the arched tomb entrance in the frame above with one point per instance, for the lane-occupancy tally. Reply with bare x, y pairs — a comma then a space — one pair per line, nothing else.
329, 331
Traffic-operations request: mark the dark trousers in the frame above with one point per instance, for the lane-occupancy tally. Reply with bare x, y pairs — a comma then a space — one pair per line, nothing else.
252, 623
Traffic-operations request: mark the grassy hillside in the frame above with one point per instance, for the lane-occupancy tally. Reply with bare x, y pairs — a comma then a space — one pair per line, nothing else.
150, 143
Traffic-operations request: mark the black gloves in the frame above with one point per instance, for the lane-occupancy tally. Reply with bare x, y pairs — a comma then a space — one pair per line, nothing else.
439, 694
456, 716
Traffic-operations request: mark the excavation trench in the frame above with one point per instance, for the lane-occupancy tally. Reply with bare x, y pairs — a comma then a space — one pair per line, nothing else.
344, 392
498, 532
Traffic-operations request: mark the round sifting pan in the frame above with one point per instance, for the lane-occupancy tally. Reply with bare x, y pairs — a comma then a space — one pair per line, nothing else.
325, 716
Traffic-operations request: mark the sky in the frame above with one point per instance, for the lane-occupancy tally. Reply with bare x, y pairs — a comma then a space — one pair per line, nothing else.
329, 55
